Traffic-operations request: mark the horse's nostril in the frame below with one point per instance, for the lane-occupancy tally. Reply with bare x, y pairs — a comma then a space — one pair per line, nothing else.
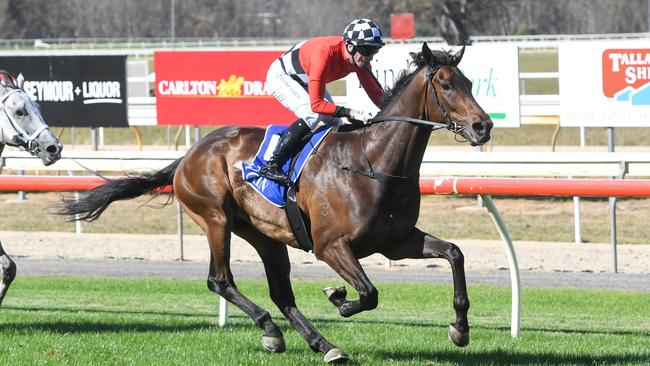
479, 126
52, 149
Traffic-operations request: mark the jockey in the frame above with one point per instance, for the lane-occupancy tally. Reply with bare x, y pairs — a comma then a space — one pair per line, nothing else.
297, 79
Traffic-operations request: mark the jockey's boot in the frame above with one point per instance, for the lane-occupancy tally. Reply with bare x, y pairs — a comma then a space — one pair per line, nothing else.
290, 141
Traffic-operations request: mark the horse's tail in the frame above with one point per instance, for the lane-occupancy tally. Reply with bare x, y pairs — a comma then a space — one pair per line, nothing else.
92, 204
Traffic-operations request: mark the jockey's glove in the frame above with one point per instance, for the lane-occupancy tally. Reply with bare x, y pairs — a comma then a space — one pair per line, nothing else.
361, 115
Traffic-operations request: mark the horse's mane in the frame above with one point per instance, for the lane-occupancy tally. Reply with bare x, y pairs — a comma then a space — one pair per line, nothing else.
441, 57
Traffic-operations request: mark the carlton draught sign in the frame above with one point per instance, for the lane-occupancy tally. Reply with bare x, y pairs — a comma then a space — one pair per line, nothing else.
216, 88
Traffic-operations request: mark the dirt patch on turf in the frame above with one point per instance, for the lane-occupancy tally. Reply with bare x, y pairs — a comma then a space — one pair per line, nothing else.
480, 255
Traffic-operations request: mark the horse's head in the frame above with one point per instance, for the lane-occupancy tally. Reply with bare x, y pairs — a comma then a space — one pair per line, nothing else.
22, 123
452, 100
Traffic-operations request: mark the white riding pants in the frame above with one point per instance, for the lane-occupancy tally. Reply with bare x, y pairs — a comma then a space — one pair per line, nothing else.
295, 97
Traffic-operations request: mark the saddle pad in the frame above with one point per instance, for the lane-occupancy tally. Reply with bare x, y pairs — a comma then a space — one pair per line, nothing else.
271, 190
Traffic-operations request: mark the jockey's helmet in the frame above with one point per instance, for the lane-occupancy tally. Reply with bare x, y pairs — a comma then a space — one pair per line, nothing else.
365, 35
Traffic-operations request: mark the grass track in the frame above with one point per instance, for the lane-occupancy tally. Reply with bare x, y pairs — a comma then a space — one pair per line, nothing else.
66, 320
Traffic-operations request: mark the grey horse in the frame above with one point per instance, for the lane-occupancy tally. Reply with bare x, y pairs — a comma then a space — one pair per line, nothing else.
22, 125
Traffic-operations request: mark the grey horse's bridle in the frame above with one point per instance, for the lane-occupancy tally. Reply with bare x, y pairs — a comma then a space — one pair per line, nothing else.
21, 138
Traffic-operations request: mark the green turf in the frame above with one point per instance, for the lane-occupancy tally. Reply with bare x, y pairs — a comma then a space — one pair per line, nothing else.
73, 321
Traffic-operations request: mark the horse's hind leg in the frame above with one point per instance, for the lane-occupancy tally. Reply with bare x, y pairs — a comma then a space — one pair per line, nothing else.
419, 244
220, 280
8, 273
277, 266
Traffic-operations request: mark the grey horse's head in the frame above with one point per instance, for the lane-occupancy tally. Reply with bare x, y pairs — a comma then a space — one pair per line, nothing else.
22, 123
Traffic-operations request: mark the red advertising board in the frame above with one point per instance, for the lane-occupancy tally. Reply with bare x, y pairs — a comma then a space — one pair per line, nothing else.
402, 26
216, 88
625, 69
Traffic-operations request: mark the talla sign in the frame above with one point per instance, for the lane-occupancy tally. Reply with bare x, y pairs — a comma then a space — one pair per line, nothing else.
75, 91
604, 84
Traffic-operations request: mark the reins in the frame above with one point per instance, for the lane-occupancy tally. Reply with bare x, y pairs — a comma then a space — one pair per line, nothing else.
450, 125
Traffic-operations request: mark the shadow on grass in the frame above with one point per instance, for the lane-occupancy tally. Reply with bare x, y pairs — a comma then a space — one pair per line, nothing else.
499, 357
317, 320
78, 310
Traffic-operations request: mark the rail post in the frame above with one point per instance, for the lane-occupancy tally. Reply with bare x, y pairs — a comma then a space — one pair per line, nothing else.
22, 195
223, 312
77, 222
515, 321
179, 222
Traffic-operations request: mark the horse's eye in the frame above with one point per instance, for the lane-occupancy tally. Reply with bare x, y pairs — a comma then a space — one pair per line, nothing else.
20, 113
445, 87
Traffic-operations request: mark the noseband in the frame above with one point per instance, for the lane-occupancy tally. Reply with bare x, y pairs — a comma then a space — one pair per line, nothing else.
449, 123
21, 138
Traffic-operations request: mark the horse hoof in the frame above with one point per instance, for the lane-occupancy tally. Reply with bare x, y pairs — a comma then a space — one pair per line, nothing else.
274, 344
461, 339
335, 292
336, 356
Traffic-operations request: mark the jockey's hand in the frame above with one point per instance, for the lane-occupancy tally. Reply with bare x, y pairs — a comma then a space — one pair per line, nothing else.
361, 115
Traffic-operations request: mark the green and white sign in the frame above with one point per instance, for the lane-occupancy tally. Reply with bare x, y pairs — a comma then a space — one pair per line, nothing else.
493, 70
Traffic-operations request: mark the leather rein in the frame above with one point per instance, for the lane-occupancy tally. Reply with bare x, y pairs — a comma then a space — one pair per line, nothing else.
449, 125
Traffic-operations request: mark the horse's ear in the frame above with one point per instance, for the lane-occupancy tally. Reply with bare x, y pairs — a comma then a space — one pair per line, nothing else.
20, 80
455, 59
427, 54
6, 79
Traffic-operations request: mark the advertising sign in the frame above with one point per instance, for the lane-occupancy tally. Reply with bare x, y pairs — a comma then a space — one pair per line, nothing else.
75, 91
402, 26
493, 71
604, 84
216, 88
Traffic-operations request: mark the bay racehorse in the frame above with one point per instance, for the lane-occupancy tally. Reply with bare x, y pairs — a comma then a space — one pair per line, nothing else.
359, 194
22, 125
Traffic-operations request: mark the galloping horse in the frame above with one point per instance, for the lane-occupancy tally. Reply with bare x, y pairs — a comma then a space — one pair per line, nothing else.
359, 193
22, 126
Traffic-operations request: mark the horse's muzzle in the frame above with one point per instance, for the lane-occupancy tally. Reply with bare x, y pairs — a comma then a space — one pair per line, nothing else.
480, 133
51, 154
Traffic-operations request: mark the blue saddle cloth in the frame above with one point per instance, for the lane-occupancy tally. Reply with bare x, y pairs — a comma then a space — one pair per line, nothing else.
271, 190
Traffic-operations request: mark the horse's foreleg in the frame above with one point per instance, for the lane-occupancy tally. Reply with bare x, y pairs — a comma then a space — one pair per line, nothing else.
419, 244
340, 258
8, 273
277, 266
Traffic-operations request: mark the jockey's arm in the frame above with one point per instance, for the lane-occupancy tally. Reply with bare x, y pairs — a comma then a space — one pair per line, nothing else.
317, 99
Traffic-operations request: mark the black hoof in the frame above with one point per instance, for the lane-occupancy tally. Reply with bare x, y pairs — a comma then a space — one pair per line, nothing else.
274, 344
459, 338
336, 295
336, 356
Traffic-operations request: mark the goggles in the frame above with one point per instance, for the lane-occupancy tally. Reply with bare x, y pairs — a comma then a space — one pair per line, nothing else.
367, 51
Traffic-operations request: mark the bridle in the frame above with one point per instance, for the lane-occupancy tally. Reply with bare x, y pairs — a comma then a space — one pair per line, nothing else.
21, 138
449, 123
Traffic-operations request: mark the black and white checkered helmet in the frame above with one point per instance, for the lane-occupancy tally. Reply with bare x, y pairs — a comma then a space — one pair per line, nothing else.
363, 32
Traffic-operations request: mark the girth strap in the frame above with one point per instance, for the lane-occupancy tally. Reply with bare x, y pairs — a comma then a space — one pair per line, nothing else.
297, 223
